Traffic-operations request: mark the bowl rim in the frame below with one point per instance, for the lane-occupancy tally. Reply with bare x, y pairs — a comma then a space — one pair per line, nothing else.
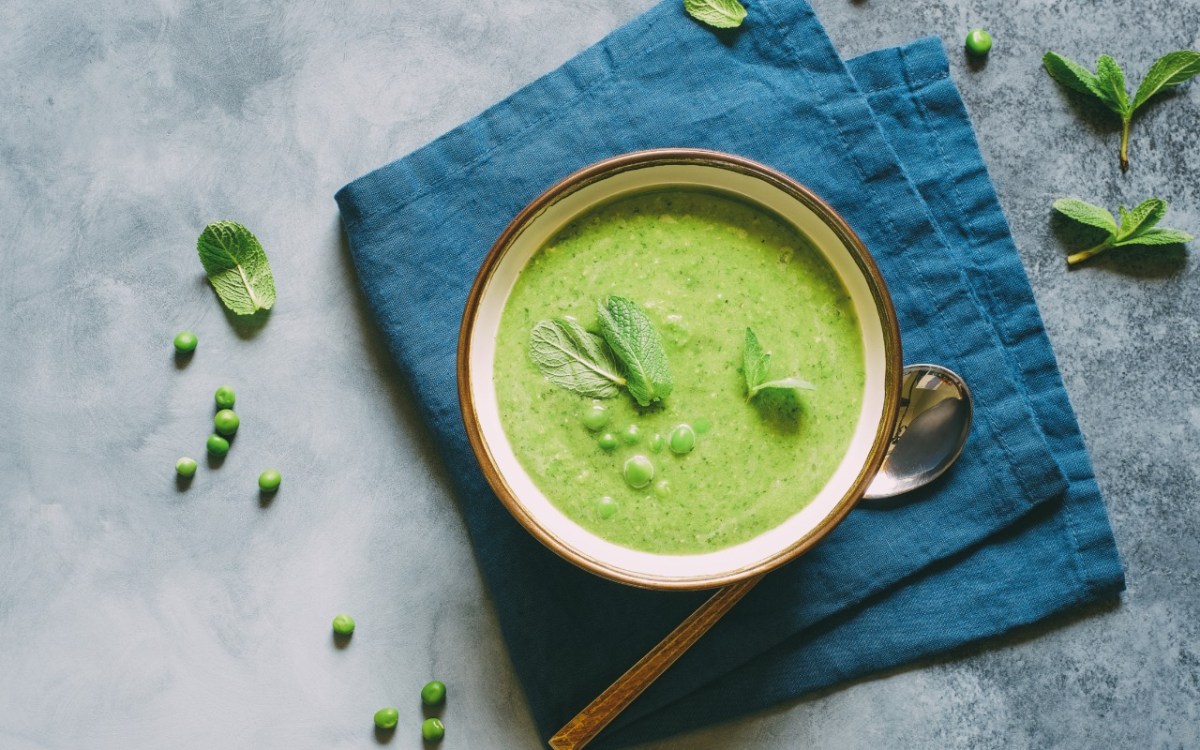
603, 169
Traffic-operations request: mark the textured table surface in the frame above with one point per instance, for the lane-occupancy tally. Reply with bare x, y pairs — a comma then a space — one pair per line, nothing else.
134, 614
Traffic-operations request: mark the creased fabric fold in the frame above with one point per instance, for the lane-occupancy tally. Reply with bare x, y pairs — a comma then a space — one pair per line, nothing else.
1015, 532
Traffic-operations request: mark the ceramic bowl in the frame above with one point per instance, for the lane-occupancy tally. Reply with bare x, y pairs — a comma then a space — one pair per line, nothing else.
749, 182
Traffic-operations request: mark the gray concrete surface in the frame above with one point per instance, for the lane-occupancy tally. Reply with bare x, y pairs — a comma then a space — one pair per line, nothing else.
134, 614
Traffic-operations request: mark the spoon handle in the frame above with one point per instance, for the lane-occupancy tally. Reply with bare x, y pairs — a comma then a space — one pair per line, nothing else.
608, 705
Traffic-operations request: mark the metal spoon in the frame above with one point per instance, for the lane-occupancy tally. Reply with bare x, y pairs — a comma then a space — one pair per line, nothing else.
935, 419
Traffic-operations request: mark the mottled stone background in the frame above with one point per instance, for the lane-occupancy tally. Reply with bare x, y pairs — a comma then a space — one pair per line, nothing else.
136, 615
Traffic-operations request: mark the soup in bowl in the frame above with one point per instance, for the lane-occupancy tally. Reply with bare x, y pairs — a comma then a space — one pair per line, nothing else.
679, 368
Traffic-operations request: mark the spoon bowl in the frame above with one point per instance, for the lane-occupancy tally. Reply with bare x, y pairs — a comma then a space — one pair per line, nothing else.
936, 409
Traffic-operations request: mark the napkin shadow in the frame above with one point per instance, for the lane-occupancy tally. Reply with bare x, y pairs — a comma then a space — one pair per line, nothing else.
391, 380
1153, 262
1015, 638
734, 733
1020, 636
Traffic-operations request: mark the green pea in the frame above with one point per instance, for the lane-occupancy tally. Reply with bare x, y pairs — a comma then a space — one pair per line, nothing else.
433, 693
432, 730
185, 341
682, 439
269, 480
226, 421
186, 467
606, 507
343, 624
638, 472
632, 435
217, 445
596, 417
225, 397
386, 718
607, 441
657, 443
701, 425
979, 42
662, 488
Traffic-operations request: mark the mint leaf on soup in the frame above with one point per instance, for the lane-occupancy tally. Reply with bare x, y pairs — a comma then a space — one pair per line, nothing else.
783, 384
237, 267
574, 358
721, 14
1136, 227
756, 363
1107, 84
629, 333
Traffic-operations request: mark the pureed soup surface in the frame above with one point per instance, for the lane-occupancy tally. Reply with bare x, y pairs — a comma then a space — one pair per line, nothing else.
704, 267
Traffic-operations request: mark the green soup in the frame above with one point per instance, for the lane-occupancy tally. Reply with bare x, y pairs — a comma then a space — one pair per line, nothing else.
704, 267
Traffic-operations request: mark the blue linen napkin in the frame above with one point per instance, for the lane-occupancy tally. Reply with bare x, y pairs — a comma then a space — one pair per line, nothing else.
1015, 532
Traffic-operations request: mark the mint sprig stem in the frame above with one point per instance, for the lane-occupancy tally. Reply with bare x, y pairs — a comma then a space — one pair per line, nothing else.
1124, 152
1082, 255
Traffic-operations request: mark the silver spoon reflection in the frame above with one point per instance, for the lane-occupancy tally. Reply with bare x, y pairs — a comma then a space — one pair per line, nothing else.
934, 421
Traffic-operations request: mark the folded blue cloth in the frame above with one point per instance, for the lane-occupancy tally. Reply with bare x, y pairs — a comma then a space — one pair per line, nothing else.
1015, 532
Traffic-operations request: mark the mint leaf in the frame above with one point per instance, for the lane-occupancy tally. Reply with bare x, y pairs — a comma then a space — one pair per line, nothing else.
755, 364
1142, 217
1156, 236
1112, 85
1072, 75
721, 14
575, 359
1171, 69
629, 333
1107, 84
1086, 213
237, 267
1137, 227
783, 384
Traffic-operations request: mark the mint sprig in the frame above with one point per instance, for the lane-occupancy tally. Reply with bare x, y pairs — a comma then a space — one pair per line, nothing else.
627, 353
237, 267
629, 333
1107, 84
1136, 227
720, 14
756, 363
574, 358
